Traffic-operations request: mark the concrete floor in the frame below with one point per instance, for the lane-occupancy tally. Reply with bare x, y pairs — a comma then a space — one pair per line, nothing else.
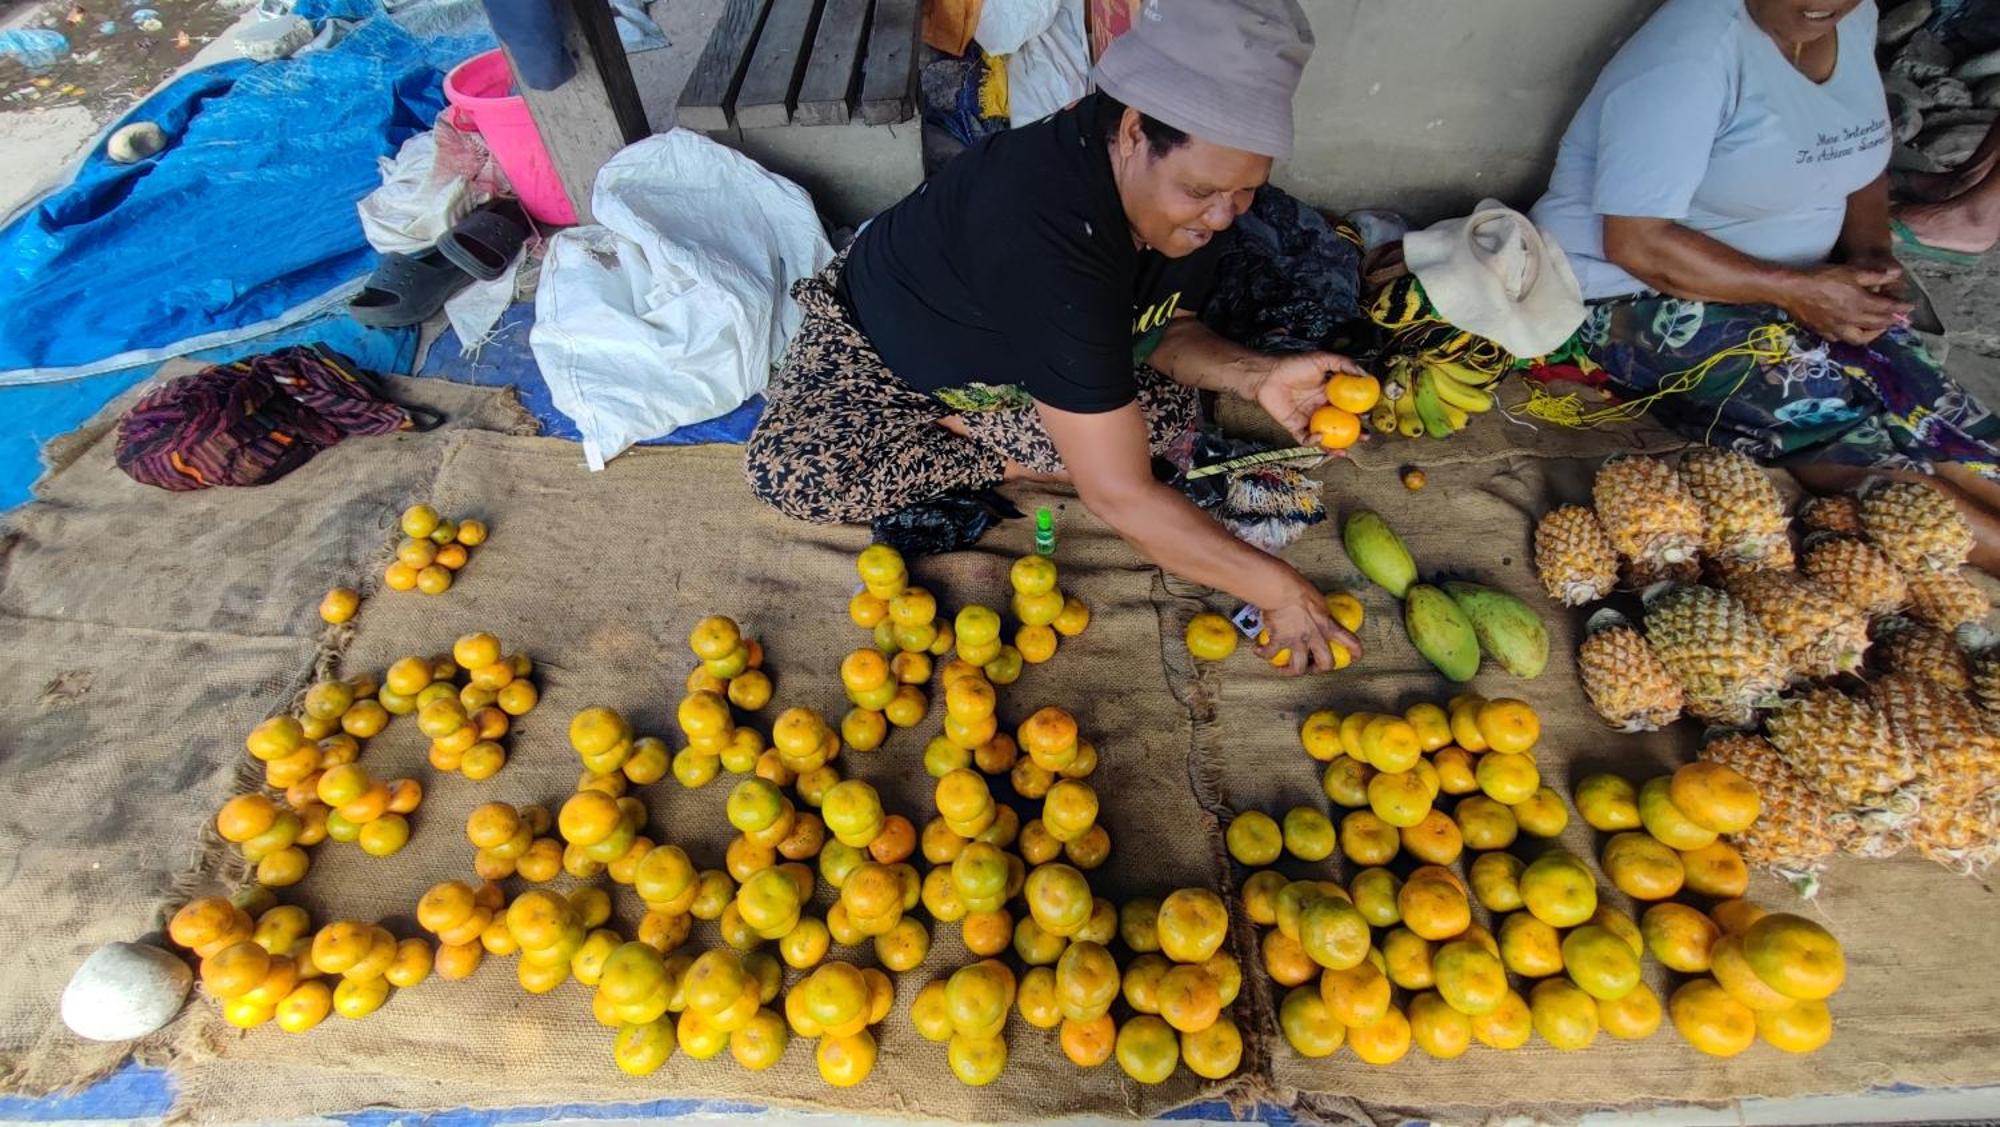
661, 74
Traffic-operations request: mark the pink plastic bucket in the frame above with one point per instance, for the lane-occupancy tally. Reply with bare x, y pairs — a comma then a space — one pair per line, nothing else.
481, 93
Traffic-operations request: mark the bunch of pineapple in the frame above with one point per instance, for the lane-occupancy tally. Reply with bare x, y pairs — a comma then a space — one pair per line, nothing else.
1900, 545
1660, 523
1739, 629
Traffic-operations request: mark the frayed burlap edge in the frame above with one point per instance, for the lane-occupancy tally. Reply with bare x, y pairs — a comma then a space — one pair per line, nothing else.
214, 865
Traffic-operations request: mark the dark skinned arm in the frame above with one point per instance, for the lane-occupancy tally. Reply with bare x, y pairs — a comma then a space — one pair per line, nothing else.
1196, 355
1287, 387
1864, 233
1836, 300
1109, 462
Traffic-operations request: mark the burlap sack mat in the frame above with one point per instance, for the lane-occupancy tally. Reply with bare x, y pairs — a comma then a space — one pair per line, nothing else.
599, 578
1910, 1012
145, 632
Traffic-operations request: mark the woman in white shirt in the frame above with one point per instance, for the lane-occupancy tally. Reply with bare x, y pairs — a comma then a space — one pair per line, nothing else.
1723, 197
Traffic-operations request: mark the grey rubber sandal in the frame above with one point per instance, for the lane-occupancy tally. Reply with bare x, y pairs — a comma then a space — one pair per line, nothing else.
407, 289
484, 242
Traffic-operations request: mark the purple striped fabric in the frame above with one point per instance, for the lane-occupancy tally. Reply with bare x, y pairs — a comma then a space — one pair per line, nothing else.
251, 421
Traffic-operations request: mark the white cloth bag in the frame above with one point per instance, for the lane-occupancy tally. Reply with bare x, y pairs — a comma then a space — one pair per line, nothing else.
1047, 56
1051, 70
674, 306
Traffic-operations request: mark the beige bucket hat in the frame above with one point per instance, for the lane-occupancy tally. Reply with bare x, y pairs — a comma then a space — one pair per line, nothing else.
1492, 273
1223, 70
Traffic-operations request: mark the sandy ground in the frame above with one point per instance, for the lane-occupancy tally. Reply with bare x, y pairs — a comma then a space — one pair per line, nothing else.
40, 144
44, 137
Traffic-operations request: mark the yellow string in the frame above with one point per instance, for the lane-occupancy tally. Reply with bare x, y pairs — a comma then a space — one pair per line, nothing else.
1767, 344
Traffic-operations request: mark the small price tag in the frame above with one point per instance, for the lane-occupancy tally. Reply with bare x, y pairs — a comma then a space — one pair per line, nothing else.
1248, 620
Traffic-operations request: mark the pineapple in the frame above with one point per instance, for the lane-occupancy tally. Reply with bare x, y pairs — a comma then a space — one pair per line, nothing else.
1721, 572
1575, 560
1847, 750
1821, 636
1958, 824
1832, 514
1912, 647
1956, 753
1643, 576
1857, 573
1797, 828
1727, 664
1946, 599
1964, 838
1647, 512
1916, 526
1985, 674
1626, 683
1744, 520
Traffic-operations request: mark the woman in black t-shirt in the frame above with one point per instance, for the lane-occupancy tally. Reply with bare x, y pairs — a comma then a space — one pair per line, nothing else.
1029, 313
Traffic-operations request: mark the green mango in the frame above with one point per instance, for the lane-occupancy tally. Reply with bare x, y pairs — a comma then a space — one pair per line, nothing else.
1378, 552
1507, 628
1441, 632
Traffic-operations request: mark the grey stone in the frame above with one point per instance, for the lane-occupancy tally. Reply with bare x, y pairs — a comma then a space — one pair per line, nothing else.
1900, 87
1907, 120
124, 991
1923, 58
1979, 66
1951, 119
1950, 145
1949, 94
135, 142
1901, 21
1987, 93
1905, 158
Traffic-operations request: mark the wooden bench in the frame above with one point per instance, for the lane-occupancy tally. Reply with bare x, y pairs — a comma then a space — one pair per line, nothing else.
806, 62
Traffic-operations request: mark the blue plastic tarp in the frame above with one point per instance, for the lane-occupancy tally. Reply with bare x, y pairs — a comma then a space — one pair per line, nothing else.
243, 224
317, 10
37, 413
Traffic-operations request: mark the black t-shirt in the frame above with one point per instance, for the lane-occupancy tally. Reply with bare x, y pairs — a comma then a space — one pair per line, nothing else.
1012, 273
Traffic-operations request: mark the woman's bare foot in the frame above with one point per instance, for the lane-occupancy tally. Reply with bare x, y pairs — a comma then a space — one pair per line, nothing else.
1969, 222
1936, 187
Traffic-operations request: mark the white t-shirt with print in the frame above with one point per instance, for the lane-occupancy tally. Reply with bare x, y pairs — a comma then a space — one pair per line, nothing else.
1701, 118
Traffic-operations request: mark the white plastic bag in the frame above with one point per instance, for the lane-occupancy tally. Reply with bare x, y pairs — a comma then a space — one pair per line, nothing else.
1005, 25
1050, 70
674, 306
432, 182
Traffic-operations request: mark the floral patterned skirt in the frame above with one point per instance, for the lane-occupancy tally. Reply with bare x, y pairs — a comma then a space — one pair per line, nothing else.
1747, 377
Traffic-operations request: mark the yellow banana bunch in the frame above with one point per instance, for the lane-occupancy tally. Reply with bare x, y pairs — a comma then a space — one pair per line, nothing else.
1471, 375
1424, 397
1397, 412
